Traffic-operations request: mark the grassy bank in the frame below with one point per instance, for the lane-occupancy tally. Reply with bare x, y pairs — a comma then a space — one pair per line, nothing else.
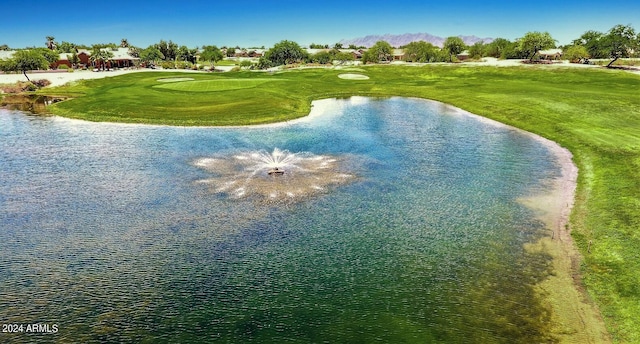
593, 113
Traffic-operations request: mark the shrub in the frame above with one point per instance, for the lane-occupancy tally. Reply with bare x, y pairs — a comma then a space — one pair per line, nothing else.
29, 87
41, 83
183, 65
167, 65
576, 53
63, 66
11, 88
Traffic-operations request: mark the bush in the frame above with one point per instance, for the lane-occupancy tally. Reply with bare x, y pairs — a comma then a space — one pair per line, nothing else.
576, 53
264, 63
167, 65
42, 83
29, 87
63, 66
12, 88
183, 65
24, 86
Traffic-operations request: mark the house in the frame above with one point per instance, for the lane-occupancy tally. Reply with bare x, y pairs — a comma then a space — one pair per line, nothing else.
398, 55
255, 53
63, 59
121, 58
6, 54
357, 53
67, 58
463, 55
84, 56
315, 51
550, 54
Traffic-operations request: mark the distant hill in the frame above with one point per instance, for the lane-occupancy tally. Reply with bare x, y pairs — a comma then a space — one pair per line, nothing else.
400, 40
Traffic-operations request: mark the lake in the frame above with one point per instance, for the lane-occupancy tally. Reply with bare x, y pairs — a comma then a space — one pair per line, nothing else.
395, 220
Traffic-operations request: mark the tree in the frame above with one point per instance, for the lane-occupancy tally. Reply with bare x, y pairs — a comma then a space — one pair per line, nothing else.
620, 42
284, 53
498, 47
532, 42
593, 42
453, 46
231, 52
4, 47
322, 57
211, 54
343, 56
124, 43
381, 51
74, 59
575, 53
25, 60
168, 49
151, 55
420, 52
337, 46
49, 55
317, 46
66, 47
264, 63
134, 51
477, 50
186, 54
51, 44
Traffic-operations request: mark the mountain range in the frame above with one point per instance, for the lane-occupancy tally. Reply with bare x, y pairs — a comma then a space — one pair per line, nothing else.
404, 39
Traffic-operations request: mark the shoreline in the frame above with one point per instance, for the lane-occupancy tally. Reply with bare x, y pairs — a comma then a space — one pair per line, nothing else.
576, 318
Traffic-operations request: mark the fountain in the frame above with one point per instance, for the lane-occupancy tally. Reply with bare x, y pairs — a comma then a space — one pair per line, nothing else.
252, 174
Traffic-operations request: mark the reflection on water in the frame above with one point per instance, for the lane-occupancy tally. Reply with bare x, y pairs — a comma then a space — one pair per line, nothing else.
107, 231
36, 104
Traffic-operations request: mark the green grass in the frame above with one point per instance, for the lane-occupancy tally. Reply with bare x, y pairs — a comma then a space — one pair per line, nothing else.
228, 62
593, 113
213, 85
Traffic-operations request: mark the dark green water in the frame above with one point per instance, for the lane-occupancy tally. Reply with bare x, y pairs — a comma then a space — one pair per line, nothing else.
106, 232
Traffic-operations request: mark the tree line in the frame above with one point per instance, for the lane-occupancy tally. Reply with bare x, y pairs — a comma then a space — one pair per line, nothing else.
620, 41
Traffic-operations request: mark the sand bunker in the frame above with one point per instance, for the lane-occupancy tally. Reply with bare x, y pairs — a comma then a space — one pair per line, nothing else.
353, 76
175, 79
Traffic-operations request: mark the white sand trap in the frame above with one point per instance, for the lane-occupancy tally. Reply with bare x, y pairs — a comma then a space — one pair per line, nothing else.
353, 76
175, 79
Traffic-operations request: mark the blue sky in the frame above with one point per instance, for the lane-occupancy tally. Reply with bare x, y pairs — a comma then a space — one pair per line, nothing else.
250, 23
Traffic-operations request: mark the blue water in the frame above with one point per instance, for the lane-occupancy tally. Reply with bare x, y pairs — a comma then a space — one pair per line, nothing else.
106, 232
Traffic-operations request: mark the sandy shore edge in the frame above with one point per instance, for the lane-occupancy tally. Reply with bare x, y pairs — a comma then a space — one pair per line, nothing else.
575, 318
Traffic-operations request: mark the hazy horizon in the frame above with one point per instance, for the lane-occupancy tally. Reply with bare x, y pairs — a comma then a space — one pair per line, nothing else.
258, 23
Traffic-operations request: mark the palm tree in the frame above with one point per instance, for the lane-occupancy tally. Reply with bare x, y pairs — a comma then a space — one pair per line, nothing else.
124, 43
102, 56
50, 42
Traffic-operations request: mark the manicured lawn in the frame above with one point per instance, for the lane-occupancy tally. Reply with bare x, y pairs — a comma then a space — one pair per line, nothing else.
213, 85
593, 113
